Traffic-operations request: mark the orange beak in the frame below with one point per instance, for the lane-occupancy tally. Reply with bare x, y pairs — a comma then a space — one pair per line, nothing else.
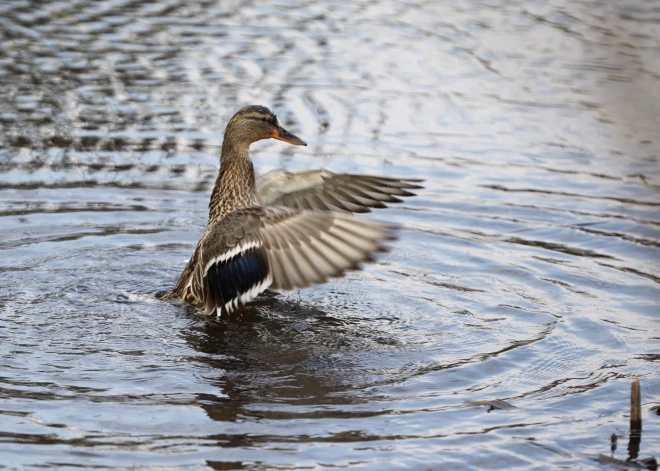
282, 134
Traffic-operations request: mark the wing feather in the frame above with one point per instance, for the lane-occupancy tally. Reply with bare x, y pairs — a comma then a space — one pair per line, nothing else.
280, 247
327, 191
319, 245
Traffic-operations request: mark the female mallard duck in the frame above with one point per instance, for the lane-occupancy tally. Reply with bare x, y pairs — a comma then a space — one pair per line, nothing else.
282, 231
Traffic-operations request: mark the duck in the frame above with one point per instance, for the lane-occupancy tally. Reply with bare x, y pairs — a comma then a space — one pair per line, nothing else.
283, 230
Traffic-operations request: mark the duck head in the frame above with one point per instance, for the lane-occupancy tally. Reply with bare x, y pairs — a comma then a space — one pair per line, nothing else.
253, 123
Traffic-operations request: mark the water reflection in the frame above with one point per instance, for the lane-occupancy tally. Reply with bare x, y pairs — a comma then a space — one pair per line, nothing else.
287, 352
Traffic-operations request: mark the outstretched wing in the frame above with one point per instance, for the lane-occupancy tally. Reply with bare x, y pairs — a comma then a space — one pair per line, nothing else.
282, 248
327, 191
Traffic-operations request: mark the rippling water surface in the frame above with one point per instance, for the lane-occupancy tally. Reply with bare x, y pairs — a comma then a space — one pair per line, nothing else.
527, 269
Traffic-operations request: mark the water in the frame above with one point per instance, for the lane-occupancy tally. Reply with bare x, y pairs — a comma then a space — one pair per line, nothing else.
527, 269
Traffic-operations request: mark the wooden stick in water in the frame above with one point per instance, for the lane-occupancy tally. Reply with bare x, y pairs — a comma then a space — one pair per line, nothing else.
635, 408
635, 420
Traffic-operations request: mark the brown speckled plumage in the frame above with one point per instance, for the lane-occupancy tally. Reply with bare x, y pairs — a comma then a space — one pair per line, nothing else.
284, 230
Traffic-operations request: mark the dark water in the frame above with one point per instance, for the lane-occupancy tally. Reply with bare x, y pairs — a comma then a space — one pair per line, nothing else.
527, 270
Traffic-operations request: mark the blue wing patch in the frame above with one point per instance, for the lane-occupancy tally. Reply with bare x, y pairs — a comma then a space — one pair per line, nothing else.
233, 278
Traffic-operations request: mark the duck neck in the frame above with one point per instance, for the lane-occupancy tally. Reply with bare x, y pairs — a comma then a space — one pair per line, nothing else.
235, 187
